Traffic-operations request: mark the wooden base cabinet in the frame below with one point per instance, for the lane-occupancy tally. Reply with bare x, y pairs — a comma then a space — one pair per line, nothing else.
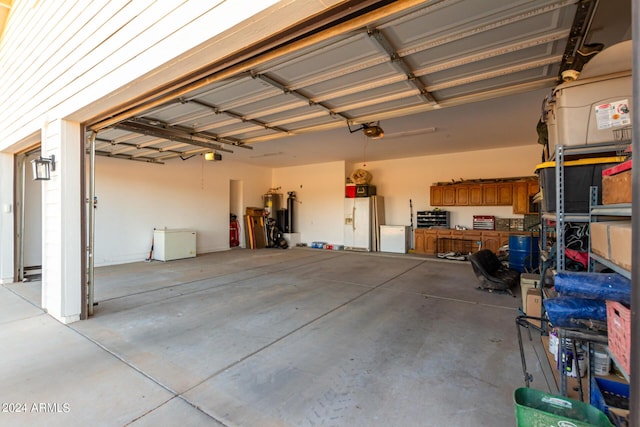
491, 240
432, 241
425, 241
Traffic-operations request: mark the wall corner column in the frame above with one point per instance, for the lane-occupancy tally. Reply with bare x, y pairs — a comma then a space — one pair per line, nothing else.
62, 203
6, 219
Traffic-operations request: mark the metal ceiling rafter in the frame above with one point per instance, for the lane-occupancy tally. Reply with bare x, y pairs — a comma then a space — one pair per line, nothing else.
130, 147
171, 133
279, 85
124, 145
400, 64
125, 157
143, 153
236, 116
185, 153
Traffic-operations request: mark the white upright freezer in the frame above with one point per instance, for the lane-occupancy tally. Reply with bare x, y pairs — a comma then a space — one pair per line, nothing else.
362, 219
395, 238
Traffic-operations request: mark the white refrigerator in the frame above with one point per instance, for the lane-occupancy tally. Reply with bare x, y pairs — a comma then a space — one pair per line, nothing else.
362, 219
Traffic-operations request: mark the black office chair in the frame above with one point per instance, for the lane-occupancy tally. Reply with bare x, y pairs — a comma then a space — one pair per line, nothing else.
491, 273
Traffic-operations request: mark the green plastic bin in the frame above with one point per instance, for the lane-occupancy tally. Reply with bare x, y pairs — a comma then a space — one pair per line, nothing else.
535, 408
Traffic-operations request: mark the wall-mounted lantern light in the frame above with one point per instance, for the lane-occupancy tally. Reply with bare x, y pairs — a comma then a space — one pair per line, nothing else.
42, 168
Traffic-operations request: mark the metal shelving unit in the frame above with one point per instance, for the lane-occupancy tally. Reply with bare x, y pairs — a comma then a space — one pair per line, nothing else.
434, 218
560, 216
608, 212
595, 212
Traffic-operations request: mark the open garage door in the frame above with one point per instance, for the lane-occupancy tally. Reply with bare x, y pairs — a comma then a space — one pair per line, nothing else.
353, 66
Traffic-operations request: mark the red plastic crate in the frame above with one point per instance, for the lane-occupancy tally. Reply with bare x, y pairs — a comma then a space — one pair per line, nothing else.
619, 333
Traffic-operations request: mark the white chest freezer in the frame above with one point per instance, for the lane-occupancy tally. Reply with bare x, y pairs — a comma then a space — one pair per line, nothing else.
174, 244
395, 238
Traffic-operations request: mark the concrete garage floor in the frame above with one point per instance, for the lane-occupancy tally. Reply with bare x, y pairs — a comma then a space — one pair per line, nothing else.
271, 337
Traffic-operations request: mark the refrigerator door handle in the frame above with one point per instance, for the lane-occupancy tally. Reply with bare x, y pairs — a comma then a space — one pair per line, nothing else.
353, 215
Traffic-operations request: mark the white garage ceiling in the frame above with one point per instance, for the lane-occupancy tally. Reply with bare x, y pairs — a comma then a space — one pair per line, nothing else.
439, 76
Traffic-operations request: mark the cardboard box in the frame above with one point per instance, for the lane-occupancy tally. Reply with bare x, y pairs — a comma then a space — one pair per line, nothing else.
528, 281
599, 234
620, 244
534, 305
612, 241
616, 188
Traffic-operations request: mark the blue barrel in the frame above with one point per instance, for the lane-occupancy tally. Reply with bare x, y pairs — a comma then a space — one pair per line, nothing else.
524, 253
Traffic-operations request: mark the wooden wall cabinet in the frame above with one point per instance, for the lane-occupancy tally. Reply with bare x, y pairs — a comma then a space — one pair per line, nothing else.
505, 194
475, 195
520, 197
462, 195
522, 193
490, 194
497, 194
436, 195
468, 195
449, 196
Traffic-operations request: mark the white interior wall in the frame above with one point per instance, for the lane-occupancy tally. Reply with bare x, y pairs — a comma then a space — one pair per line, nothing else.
320, 187
236, 206
403, 179
135, 197
319, 206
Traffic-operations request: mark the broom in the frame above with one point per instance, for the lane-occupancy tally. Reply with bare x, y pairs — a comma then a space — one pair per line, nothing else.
151, 250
